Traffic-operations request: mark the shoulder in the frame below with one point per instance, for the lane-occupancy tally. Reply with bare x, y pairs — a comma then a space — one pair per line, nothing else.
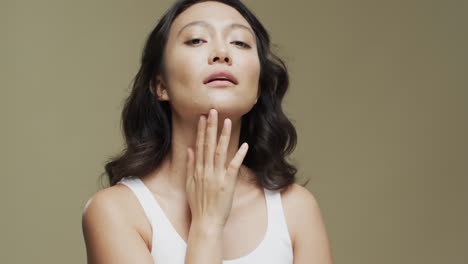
110, 221
106, 209
297, 197
116, 204
306, 225
298, 202
107, 203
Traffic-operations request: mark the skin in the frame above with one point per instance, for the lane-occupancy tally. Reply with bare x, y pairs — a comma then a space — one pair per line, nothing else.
201, 185
191, 56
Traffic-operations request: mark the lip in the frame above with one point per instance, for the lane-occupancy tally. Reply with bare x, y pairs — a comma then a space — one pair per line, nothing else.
220, 83
229, 79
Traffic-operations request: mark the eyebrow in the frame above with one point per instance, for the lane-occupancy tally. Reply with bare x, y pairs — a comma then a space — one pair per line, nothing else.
210, 27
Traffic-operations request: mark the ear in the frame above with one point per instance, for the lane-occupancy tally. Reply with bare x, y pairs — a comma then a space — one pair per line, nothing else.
160, 87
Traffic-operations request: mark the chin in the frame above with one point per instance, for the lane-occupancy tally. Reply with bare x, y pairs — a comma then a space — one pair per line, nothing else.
231, 110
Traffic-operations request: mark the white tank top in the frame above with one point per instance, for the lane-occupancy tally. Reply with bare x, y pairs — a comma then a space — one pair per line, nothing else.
168, 247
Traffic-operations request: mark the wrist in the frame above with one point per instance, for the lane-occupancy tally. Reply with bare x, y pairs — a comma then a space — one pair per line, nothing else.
207, 227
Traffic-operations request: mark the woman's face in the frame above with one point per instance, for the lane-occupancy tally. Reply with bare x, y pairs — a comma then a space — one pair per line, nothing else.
206, 39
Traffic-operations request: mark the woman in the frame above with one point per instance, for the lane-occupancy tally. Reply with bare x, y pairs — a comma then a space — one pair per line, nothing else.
185, 190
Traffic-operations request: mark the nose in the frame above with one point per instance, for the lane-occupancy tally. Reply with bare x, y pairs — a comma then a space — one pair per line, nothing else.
220, 55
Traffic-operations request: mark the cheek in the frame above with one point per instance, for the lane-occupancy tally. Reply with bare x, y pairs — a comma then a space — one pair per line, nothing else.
181, 69
252, 66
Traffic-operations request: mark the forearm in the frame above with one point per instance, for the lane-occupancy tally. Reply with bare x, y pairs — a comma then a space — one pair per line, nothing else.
204, 245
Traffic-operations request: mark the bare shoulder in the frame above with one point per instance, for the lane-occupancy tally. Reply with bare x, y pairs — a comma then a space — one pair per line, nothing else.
297, 196
297, 201
306, 225
111, 200
110, 233
108, 204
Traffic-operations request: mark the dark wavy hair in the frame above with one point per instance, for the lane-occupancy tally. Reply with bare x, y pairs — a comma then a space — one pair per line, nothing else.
147, 124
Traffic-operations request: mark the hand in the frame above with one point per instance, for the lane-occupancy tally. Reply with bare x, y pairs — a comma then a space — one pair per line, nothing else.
210, 186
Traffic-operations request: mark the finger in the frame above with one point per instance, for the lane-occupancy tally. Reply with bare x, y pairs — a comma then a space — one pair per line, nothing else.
210, 140
222, 147
199, 146
190, 164
236, 162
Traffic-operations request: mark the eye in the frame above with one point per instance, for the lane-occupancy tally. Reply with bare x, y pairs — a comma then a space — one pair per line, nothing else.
194, 42
241, 44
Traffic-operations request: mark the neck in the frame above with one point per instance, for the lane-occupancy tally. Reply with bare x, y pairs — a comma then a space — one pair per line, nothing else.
172, 171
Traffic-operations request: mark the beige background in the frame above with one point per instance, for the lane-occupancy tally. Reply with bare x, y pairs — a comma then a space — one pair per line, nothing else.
379, 95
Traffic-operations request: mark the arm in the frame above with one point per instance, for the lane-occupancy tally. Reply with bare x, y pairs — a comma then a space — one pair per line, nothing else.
310, 239
109, 236
204, 244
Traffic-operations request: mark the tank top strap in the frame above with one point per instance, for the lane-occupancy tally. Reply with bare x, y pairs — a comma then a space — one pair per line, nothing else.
157, 217
278, 227
143, 195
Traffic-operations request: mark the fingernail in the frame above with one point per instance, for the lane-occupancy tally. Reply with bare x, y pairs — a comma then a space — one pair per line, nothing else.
212, 113
245, 146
